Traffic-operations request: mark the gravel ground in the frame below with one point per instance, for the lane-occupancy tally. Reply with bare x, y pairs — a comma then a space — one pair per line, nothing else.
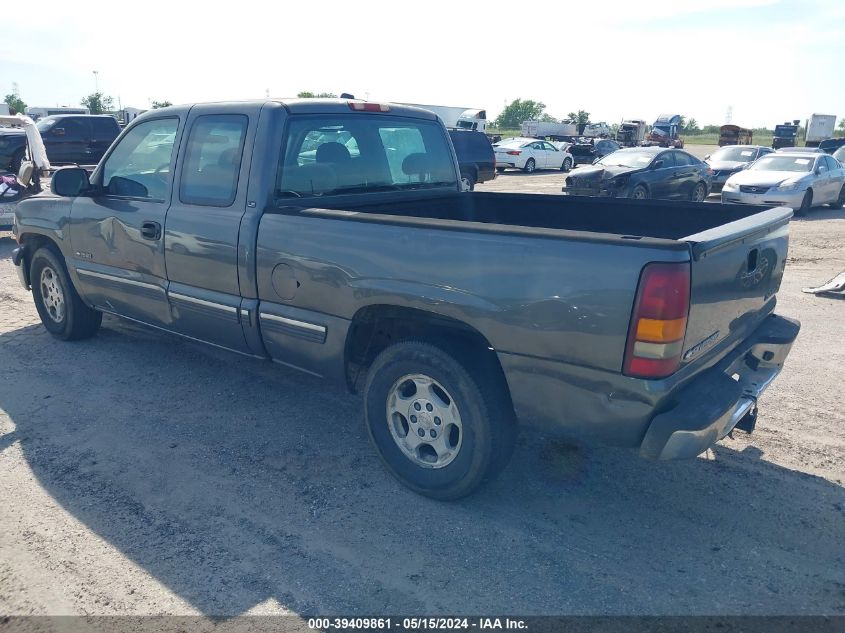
143, 474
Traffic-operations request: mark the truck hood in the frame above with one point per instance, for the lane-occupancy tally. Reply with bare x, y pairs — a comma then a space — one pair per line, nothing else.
766, 178
725, 165
597, 173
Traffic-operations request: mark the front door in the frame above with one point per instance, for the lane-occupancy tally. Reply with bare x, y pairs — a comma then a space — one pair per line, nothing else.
201, 233
116, 234
68, 140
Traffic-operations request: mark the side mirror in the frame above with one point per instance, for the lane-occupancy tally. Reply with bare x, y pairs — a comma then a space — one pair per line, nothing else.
707, 157
58, 131
657, 164
70, 182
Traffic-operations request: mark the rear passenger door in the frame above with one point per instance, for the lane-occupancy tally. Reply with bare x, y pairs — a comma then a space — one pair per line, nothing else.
103, 132
201, 231
685, 176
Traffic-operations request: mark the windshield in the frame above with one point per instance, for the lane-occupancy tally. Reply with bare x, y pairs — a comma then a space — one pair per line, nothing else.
783, 163
45, 124
627, 159
737, 154
785, 130
839, 154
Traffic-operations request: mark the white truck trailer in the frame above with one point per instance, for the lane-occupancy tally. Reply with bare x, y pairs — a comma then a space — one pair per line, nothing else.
548, 129
819, 128
456, 117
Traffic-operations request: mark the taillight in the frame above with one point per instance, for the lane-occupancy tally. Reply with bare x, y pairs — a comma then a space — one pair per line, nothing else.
659, 321
514, 152
367, 106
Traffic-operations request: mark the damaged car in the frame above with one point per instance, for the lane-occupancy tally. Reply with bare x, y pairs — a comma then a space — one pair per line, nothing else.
728, 160
642, 173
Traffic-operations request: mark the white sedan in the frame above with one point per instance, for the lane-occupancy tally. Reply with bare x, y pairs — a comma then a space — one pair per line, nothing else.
799, 180
529, 154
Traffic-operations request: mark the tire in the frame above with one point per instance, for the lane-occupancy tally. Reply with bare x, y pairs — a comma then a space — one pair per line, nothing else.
60, 307
478, 429
566, 166
469, 180
840, 201
17, 159
501, 170
639, 193
699, 192
530, 166
806, 203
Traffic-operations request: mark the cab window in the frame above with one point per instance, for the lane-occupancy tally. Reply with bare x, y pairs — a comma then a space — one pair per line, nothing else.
139, 166
213, 160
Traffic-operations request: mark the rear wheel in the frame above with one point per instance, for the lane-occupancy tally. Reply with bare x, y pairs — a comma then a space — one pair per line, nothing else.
639, 193
806, 203
530, 166
501, 170
567, 164
60, 307
840, 201
439, 429
699, 193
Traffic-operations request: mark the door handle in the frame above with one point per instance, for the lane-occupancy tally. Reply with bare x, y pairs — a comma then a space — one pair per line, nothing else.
151, 230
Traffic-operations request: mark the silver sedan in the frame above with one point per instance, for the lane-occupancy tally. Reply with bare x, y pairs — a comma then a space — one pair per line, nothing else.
799, 180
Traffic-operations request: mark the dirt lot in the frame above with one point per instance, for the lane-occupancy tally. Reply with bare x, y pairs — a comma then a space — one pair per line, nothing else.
141, 474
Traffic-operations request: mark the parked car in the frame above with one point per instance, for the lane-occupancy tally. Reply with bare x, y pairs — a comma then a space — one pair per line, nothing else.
800, 150
643, 172
529, 154
586, 151
377, 273
730, 159
799, 180
476, 159
830, 145
69, 139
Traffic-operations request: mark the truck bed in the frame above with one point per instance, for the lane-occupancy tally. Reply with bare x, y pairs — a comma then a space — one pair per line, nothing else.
658, 219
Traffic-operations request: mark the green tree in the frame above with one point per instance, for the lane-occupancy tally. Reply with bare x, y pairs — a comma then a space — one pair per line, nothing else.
318, 95
161, 104
97, 103
15, 102
548, 118
582, 117
518, 111
840, 127
691, 127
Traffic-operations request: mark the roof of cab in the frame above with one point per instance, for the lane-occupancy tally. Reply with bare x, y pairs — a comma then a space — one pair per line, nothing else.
307, 106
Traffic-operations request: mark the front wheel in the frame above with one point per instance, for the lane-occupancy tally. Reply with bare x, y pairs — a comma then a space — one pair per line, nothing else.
699, 193
567, 164
501, 170
806, 203
840, 201
530, 166
439, 430
60, 307
639, 193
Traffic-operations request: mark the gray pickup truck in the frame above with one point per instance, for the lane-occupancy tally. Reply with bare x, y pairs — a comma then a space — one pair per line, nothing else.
333, 237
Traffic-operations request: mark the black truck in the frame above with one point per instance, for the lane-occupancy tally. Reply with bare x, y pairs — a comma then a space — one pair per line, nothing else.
70, 139
332, 236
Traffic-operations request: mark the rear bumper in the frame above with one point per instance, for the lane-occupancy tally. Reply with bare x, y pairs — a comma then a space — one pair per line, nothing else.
709, 407
675, 417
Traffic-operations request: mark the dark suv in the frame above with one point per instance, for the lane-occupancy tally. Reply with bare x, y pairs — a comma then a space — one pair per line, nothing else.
79, 139
475, 156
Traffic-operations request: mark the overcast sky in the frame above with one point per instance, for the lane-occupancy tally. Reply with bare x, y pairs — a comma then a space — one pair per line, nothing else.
771, 60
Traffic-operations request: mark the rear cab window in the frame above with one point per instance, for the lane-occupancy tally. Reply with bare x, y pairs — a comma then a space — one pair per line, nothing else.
212, 161
326, 155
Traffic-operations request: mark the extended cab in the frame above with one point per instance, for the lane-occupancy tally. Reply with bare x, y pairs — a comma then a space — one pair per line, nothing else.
331, 236
69, 139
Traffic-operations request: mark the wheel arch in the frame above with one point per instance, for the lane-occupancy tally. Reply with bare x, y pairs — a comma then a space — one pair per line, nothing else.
375, 327
31, 242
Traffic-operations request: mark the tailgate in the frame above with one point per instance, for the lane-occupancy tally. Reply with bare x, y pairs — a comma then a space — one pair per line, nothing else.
736, 271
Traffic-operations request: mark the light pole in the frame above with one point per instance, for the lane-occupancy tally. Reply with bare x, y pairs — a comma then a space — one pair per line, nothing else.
96, 80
